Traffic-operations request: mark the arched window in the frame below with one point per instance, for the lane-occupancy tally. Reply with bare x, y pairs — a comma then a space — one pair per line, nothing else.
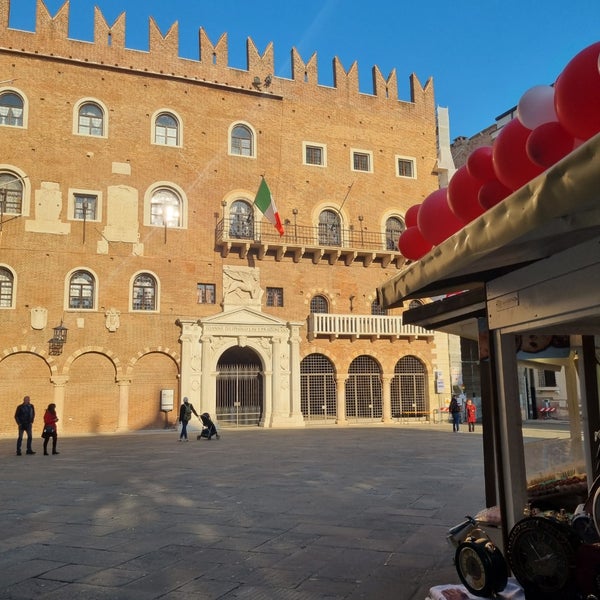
393, 228
11, 193
6, 288
241, 220
11, 109
242, 141
377, 309
166, 130
81, 290
144, 292
414, 304
165, 208
319, 304
90, 120
330, 228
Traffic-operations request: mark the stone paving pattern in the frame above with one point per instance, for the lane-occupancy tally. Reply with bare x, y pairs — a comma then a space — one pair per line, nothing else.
320, 513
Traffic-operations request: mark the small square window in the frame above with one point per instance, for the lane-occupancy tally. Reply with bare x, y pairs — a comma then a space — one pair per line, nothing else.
85, 207
206, 293
274, 296
361, 161
314, 155
406, 168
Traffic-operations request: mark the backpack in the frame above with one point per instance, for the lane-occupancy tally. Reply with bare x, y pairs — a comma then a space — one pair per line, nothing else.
187, 415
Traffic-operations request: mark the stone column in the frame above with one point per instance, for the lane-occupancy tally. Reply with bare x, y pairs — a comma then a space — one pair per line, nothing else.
295, 393
191, 363
340, 382
205, 380
386, 390
123, 418
59, 381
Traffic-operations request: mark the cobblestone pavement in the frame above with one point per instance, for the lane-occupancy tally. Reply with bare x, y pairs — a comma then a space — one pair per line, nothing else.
318, 513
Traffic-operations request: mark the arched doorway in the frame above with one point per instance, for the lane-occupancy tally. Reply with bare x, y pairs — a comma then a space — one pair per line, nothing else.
363, 390
318, 388
240, 398
408, 397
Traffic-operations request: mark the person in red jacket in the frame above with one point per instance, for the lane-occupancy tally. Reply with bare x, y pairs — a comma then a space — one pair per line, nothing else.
50, 420
471, 410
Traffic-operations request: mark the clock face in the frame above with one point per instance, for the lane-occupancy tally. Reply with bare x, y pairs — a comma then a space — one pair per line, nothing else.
541, 553
481, 567
471, 567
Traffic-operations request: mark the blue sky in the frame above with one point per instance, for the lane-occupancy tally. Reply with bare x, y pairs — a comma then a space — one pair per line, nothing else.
482, 54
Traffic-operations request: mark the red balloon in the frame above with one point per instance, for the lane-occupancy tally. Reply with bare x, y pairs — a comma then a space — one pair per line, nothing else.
548, 143
511, 163
480, 165
462, 195
577, 94
410, 218
436, 221
412, 244
492, 192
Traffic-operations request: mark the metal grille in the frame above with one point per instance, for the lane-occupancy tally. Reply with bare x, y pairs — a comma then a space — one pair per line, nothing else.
239, 395
317, 388
408, 389
363, 389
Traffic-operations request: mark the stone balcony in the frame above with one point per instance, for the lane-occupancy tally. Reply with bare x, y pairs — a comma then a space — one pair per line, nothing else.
371, 327
314, 243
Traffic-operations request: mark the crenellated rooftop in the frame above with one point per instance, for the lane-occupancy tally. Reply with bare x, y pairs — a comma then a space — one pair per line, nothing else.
108, 49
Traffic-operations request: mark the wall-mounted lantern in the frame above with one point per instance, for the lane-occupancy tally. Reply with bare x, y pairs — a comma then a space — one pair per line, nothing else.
55, 345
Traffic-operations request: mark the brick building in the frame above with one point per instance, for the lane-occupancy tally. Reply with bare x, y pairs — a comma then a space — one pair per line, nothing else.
127, 182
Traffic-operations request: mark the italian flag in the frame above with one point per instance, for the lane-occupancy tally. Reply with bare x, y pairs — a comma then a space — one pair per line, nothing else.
265, 202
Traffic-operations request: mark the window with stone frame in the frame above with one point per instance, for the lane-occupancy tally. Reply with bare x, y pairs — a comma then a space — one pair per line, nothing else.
166, 130
81, 290
7, 282
90, 120
85, 207
11, 109
144, 292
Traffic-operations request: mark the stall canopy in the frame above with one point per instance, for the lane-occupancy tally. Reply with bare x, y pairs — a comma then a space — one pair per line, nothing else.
556, 211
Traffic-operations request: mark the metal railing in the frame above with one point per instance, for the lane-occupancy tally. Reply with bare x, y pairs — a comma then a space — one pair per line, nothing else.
305, 235
326, 324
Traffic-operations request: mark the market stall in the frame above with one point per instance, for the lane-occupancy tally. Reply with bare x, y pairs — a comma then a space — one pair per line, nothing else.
528, 266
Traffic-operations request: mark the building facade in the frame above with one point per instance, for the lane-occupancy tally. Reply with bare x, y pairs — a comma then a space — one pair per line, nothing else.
135, 268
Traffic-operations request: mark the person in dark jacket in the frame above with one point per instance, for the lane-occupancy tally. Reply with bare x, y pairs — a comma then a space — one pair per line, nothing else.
25, 416
455, 410
185, 414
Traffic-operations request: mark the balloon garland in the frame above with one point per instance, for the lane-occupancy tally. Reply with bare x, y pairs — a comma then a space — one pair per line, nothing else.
552, 120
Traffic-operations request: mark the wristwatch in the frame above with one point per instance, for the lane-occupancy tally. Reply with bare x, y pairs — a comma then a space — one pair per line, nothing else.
481, 567
541, 554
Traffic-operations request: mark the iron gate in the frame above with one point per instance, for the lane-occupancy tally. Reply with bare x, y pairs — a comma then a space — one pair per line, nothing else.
408, 389
317, 388
239, 395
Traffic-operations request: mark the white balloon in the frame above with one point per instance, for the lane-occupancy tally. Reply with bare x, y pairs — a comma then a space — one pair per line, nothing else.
536, 107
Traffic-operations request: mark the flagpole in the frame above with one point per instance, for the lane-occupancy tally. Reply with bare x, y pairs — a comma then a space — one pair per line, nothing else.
345, 198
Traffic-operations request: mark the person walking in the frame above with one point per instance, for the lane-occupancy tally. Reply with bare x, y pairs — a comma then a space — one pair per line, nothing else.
471, 410
185, 414
25, 416
454, 410
50, 420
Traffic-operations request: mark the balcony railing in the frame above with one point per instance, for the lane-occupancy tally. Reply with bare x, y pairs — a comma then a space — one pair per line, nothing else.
362, 326
318, 243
